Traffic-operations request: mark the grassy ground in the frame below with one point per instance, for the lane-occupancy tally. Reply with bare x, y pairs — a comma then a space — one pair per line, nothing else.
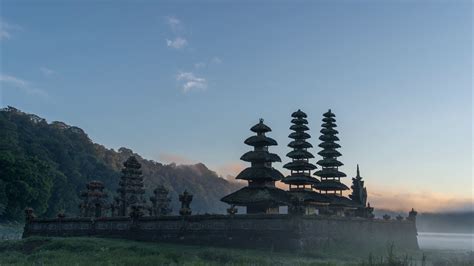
96, 251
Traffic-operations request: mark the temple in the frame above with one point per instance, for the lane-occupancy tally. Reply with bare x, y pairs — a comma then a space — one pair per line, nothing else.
300, 181
319, 214
261, 195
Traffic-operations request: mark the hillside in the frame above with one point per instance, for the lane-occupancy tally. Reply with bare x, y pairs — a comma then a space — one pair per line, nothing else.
45, 166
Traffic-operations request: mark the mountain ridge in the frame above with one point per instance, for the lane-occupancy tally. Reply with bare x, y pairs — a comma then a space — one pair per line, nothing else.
46, 165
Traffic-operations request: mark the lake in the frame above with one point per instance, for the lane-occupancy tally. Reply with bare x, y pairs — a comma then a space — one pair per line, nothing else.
446, 241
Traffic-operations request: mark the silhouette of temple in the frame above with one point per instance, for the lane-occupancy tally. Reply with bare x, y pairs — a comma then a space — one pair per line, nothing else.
261, 195
300, 181
313, 204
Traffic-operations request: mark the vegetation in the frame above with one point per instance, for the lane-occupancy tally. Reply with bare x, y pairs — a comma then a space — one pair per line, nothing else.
96, 251
45, 166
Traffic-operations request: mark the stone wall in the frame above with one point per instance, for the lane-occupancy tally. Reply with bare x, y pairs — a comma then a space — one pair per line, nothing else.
249, 231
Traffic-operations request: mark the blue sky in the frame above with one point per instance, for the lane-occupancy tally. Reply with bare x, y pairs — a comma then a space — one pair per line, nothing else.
185, 81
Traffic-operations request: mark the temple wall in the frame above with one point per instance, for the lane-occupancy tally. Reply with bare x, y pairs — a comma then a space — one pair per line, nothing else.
262, 231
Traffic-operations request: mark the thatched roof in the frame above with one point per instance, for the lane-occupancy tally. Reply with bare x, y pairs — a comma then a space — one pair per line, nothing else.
260, 141
329, 120
260, 173
329, 172
299, 179
299, 121
310, 196
329, 153
329, 114
299, 113
299, 144
299, 166
260, 156
330, 162
258, 195
328, 125
328, 138
329, 145
299, 127
330, 185
299, 135
299, 154
260, 127
329, 131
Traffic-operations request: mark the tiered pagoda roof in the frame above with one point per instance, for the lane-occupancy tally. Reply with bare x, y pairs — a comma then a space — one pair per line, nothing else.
299, 166
330, 174
261, 176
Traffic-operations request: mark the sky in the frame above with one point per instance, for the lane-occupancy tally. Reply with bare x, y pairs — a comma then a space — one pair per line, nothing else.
184, 81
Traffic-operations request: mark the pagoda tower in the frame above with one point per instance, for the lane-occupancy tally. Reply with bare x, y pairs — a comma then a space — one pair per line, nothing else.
261, 195
130, 188
300, 181
330, 174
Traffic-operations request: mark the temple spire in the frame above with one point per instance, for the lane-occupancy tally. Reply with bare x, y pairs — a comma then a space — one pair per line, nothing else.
261, 195
300, 181
300, 167
330, 174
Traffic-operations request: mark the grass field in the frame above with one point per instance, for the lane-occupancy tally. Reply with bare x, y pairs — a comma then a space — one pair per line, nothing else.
97, 251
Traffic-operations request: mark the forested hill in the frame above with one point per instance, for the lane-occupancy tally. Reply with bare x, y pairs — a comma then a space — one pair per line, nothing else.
45, 166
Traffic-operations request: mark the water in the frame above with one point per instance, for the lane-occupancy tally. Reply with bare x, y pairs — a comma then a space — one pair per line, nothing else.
446, 241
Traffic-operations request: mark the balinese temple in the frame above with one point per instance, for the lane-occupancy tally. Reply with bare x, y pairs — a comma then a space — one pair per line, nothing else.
130, 190
300, 181
330, 175
261, 195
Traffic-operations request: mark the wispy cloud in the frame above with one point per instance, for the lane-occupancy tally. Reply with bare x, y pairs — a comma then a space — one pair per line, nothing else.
189, 81
177, 43
12, 82
175, 24
47, 71
7, 29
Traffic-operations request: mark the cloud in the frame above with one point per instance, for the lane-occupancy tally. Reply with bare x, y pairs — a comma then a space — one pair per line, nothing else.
6, 29
47, 71
190, 82
9, 81
177, 43
230, 170
175, 24
399, 199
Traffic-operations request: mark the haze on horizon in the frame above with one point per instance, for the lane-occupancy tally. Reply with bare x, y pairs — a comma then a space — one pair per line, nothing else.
184, 82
